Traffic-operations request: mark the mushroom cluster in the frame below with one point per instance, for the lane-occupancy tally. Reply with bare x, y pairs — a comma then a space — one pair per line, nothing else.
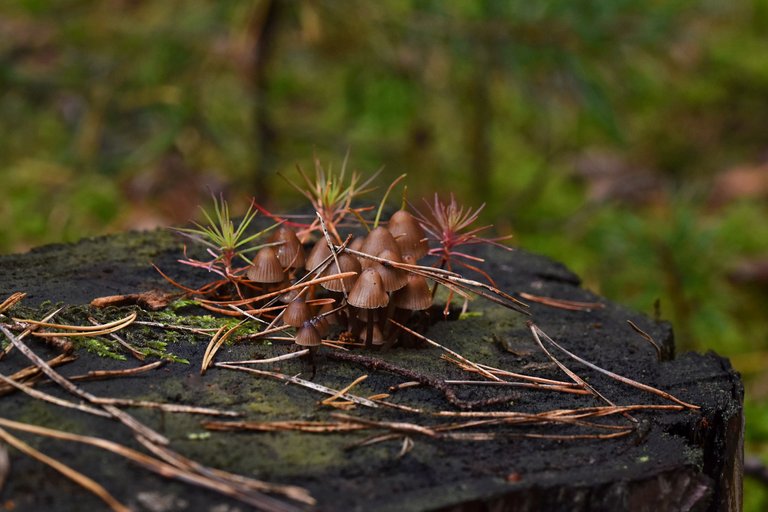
374, 284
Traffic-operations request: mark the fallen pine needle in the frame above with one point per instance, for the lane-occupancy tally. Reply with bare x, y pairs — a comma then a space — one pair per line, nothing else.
620, 378
337, 400
647, 337
80, 330
284, 357
480, 370
570, 305
216, 342
168, 470
11, 301
77, 477
108, 374
315, 427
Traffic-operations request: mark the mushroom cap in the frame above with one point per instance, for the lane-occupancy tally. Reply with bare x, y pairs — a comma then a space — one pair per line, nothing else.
266, 267
415, 295
368, 291
408, 234
307, 336
290, 253
378, 240
377, 338
357, 243
322, 325
297, 312
392, 278
317, 255
348, 263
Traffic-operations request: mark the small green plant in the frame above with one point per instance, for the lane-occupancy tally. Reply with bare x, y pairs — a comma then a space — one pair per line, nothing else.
223, 241
331, 195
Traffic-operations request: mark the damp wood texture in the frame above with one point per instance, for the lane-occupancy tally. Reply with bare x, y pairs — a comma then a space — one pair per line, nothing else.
425, 427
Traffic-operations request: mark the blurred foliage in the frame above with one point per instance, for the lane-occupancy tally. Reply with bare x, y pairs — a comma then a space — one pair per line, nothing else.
625, 138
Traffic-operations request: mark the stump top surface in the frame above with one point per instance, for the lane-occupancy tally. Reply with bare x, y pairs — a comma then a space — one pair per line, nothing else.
673, 450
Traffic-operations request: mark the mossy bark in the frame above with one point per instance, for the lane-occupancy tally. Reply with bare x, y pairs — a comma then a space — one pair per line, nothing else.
674, 461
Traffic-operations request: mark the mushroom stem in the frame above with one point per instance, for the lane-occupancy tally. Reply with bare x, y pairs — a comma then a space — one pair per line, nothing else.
369, 330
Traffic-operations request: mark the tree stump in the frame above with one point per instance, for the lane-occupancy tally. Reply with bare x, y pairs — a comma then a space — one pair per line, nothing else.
687, 459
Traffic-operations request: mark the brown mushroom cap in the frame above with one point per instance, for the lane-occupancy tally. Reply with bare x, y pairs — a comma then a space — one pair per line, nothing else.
378, 240
408, 234
320, 251
357, 243
368, 291
415, 295
290, 252
307, 336
391, 277
266, 267
322, 325
297, 312
348, 263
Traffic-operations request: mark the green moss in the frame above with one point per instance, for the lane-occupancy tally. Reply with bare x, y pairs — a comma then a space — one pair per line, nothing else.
102, 347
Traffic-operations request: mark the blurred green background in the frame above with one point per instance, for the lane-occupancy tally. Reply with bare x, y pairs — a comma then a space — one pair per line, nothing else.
624, 138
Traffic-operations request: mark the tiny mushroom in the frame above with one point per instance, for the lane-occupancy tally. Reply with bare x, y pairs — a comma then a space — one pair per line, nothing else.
347, 263
369, 294
415, 295
320, 251
392, 278
408, 233
307, 336
297, 312
290, 252
266, 268
378, 240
